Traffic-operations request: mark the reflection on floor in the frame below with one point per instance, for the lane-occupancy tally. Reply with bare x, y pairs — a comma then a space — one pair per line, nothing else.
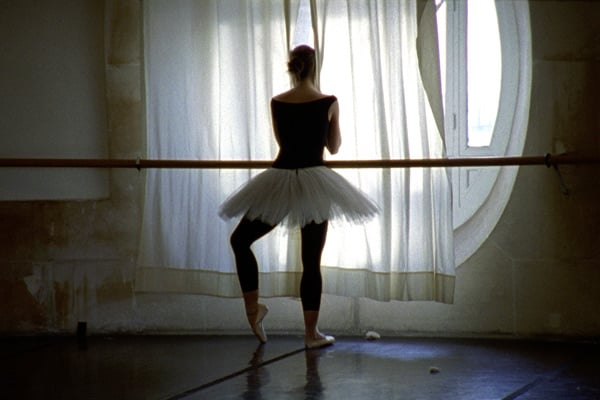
233, 367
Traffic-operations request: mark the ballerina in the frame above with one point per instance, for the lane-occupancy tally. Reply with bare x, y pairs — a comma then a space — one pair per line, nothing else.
298, 190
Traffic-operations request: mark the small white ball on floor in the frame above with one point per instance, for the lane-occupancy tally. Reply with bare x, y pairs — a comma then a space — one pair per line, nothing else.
372, 335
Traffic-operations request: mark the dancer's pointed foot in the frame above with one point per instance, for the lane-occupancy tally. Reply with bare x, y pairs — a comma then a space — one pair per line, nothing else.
255, 319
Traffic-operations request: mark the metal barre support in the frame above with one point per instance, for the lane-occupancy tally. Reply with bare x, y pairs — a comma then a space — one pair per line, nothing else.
548, 160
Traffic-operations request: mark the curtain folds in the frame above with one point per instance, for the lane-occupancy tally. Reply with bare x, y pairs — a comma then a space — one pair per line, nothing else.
211, 68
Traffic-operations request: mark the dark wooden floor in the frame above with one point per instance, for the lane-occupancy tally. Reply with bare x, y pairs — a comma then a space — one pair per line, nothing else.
235, 367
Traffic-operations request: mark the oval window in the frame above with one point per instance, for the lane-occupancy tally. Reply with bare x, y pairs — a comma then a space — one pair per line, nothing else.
485, 51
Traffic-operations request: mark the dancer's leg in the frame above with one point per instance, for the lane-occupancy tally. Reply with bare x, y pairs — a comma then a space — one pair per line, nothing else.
311, 285
246, 233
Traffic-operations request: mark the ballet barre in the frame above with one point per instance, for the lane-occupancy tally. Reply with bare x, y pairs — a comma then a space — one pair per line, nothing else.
549, 160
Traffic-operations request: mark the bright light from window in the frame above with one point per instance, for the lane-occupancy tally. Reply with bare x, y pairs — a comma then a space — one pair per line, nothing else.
483, 71
303, 33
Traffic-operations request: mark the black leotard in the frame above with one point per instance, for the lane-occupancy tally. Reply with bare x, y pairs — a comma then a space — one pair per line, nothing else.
302, 129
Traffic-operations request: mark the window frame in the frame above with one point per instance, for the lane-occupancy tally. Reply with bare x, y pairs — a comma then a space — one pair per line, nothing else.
480, 194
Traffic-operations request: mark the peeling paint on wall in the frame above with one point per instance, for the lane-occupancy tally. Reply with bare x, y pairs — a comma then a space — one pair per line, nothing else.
68, 292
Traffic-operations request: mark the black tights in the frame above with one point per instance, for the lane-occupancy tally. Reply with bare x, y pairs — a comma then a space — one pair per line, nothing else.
313, 241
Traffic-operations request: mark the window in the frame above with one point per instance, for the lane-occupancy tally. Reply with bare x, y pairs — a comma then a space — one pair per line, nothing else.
485, 52
482, 66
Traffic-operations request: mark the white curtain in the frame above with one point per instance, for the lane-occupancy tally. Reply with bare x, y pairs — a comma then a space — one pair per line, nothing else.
211, 68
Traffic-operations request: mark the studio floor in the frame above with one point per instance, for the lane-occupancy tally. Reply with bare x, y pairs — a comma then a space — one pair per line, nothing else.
235, 367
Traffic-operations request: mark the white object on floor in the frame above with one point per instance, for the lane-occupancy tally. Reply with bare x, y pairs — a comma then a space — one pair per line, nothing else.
372, 335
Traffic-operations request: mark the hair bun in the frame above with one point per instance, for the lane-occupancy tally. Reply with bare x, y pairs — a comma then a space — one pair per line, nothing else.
296, 65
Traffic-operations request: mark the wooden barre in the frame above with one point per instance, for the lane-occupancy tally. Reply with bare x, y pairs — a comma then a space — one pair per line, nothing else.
547, 160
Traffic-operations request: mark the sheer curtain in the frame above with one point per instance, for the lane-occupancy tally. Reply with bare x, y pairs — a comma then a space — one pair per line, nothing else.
369, 60
211, 68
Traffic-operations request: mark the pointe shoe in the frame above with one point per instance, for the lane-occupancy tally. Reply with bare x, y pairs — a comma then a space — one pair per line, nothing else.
257, 326
326, 340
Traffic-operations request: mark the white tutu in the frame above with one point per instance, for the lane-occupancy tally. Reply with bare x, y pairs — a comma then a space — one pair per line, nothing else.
299, 196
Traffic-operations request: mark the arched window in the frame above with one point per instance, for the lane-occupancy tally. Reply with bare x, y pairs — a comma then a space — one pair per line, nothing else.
485, 51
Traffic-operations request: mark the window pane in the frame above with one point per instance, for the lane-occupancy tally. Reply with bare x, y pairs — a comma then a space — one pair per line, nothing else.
441, 16
483, 71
